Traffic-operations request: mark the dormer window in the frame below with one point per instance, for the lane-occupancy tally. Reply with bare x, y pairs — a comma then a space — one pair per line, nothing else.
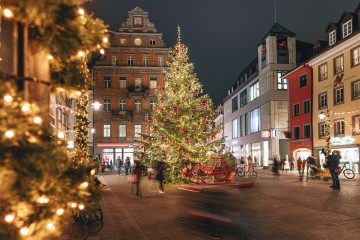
347, 28
332, 37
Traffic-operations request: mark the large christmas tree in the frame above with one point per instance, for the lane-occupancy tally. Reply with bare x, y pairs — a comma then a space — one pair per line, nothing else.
181, 123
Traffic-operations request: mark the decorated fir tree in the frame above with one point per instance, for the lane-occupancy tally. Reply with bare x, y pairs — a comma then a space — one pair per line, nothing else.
181, 123
40, 184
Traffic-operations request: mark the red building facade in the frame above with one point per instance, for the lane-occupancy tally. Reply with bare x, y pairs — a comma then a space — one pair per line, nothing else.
300, 104
126, 79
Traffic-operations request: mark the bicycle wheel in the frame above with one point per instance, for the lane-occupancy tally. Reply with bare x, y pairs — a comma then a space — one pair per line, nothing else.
348, 173
254, 174
99, 214
247, 174
240, 171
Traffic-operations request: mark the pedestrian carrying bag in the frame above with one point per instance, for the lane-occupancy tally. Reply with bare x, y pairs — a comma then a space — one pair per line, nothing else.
132, 178
337, 170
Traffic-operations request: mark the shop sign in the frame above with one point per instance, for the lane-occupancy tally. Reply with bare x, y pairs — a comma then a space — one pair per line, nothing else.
342, 140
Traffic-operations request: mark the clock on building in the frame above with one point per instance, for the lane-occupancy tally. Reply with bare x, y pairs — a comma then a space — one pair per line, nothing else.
138, 21
137, 41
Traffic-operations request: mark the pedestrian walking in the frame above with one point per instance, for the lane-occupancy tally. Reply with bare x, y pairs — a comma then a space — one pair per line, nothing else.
160, 175
138, 170
291, 163
303, 166
119, 163
102, 165
333, 162
275, 168
127, 165
299, 164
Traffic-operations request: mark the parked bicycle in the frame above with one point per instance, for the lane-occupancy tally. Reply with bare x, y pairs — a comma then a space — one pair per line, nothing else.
246, 170
86, 216
348, 173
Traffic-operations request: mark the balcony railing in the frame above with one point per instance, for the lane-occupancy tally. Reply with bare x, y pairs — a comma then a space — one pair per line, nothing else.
121, 113
138, 90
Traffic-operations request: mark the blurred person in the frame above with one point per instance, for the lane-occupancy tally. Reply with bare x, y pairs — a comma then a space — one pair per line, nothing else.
138, 171
333, 163
127, 165
160, 175
275, 168
291, 162
119, 163
102, 165
299, 164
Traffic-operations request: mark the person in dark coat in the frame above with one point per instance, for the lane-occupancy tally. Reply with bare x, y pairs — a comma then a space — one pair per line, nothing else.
275, 168
138, 170
333, 163
160, 175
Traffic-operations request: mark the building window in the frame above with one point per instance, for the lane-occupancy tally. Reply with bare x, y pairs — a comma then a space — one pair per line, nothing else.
254, 91
243, 98
347, 28
355, 56
296, 109
146, 61
122, 104
246, 120
234, 104
307, 131
153, 82
339, 96
106, 130
303, 81
152, 104
332, 37
123, 41
130, 61
122, 81
122, 130
296, 132
137, 105
107, 104
323, 72
307, 106
161, 61
137, 83
235, 129
114, 60
137, 130
241, 125
152, 42
338, 65
281, 82
355, 90
339, 127
356, 124
255, 120
321, 130
107, 81
322, 100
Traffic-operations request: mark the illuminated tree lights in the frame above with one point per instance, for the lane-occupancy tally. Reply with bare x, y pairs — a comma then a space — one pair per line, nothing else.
39, 182
180, 122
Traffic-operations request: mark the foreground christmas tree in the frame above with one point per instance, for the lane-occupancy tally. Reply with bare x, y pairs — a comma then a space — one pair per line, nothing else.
181, 128
40, 185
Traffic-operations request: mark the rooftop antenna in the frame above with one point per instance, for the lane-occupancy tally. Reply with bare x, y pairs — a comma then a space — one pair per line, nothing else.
275, 11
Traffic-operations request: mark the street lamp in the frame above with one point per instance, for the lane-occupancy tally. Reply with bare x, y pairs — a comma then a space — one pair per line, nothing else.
326, 117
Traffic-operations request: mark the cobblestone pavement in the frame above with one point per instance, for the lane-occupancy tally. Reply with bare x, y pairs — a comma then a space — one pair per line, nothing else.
284, 208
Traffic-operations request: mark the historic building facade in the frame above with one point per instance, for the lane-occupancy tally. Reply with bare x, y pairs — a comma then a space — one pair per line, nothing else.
256, 108
336, 89
125, 83
300, 111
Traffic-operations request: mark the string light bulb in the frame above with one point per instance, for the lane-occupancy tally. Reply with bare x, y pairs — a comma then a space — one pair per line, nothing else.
81, 207
81, 11
50, 57
73, 205
8, 13
81, 54
8, 98
105, 40
50, 226
9, 218
9, 134
60, 211
37, 120
84, 185
102, 51
24, 231
25, 107
43, 199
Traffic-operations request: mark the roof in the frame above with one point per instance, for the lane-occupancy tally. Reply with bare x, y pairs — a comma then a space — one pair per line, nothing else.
278, 29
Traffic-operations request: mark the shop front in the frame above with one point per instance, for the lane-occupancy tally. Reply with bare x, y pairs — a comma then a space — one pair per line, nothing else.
110, 152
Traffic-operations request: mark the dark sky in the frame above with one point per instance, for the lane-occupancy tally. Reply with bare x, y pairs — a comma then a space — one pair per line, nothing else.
223, 35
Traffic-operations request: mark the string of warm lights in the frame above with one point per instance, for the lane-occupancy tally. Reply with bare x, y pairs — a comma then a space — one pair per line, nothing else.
40, 185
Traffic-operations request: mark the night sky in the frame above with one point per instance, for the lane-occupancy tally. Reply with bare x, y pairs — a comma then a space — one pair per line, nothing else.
223, 35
